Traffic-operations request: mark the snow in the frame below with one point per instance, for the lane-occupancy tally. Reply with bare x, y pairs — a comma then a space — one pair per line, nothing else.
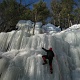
21, 54
76, 26
49, 27
24, 23
39, 28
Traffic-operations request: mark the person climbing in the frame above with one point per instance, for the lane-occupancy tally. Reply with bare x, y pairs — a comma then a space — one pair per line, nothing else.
49, 56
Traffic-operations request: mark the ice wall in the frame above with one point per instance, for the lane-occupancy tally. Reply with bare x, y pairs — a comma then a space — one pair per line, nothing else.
20, 56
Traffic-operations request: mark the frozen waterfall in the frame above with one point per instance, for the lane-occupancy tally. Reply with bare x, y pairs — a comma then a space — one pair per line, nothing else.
20, 55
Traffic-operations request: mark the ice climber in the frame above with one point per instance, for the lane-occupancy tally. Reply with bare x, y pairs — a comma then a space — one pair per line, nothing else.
49, 56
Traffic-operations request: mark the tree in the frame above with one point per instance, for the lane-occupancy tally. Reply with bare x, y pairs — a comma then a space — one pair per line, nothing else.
12, 12
66, 12
77, 13
55, 11
40, 11
62, 12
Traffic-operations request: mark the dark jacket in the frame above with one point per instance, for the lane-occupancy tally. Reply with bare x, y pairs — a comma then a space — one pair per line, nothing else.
50, 53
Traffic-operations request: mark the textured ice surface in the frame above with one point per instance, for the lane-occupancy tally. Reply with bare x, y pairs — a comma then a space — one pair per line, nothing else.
20, 55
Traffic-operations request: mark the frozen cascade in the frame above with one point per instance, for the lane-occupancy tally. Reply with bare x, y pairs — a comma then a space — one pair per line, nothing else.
21, 56
3, 39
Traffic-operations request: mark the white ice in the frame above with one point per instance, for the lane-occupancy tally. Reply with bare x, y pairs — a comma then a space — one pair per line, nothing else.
20, 55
